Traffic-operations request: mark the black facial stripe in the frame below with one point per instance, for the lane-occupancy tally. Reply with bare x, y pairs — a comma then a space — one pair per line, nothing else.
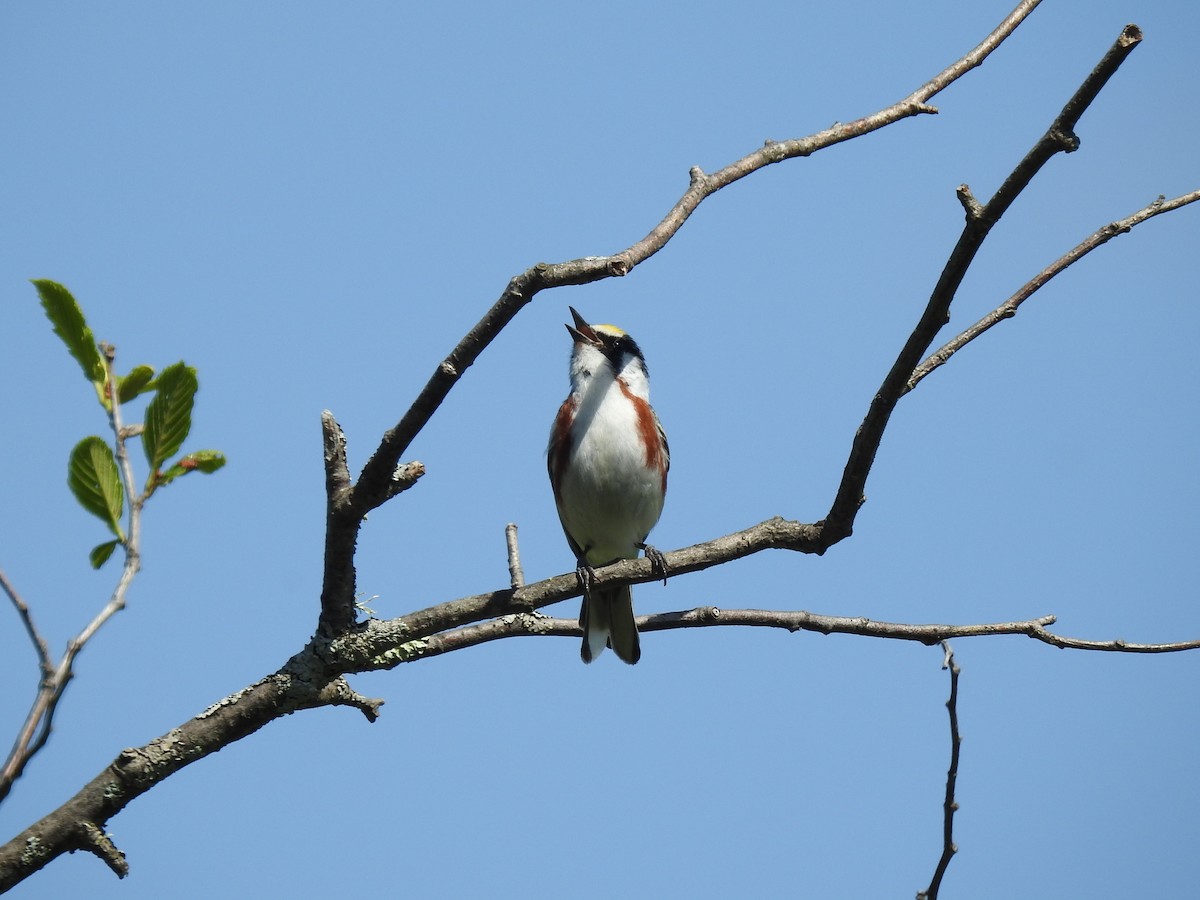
617, 346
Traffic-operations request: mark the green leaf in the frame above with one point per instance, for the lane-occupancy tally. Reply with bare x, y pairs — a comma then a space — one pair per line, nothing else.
93, 479
69, 324
207, 461
135, 383
169, 415
101, 552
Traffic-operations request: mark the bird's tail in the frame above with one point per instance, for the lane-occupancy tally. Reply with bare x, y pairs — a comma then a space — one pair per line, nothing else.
607, 621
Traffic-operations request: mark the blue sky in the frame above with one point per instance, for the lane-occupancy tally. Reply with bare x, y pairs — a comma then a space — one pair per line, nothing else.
311, 203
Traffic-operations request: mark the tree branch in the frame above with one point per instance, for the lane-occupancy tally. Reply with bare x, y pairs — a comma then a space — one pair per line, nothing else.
531, 624
370, 491
516, 576
313, 677
341, 533
348, 505
1060, 137
35, 731
341, 527
1008, 308
302, 683
949, 805
40, 647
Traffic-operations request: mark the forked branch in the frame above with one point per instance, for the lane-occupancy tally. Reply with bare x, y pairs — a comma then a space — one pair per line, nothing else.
370, 490
1009, 307
1059, 138
375, 485
35, 731
313, 677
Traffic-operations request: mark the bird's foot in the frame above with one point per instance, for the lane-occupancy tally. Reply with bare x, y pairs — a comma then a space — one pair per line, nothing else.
658, 562
586, 576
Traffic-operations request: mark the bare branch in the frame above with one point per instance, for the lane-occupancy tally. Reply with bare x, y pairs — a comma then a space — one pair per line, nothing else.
380, 644
1115, 646
532, 624
370, 490
405, 476
376, 483
339, 584
337, 472
1008, 308
360, 650
24, 746
516, 576
96, 841
341, 529
404, 647
949, 805
314, 676
339, 693
302, 683
39, 643
1060, 137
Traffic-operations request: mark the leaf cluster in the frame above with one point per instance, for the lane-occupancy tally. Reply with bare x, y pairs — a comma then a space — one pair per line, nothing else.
92, 470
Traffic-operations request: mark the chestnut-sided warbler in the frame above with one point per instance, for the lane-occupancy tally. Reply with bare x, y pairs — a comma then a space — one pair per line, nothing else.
608, 459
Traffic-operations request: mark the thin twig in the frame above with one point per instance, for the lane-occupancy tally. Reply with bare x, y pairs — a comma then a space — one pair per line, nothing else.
35, 731
20, 753
1008, 308
516, 576
949, 805
133, 542
39, 643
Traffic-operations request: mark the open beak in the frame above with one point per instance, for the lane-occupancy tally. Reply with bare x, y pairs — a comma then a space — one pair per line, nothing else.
582, 332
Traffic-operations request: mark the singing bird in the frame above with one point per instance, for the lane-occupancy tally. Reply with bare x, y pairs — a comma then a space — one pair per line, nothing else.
608, 459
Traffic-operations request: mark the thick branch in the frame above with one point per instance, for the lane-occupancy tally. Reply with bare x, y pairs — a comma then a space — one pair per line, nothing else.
383, 644
78, 824
338, 585
341, 533
312, 679
1060, 137
395, 639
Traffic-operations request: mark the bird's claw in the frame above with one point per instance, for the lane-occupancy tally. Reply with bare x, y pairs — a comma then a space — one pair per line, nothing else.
586, 576
658, 562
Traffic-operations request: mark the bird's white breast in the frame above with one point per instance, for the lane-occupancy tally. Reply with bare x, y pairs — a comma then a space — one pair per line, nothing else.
609, 498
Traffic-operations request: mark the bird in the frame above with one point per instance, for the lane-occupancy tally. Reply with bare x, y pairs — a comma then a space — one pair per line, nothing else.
608, 459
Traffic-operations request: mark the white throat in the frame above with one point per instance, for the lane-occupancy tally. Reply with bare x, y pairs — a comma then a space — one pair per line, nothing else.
592, 373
